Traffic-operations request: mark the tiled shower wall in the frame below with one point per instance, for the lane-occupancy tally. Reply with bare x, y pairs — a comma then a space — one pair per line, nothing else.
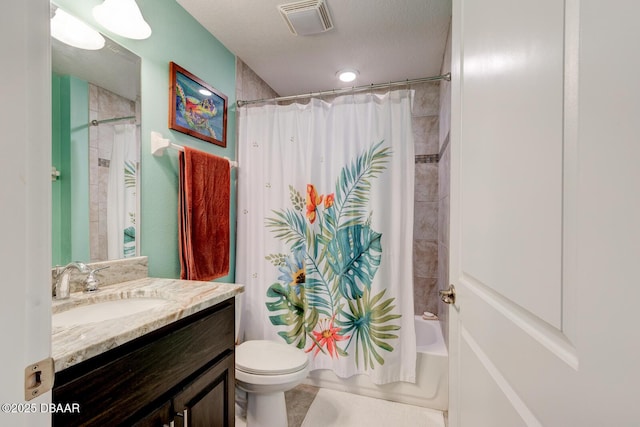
249, 85
103, 104
444, 179
425, 122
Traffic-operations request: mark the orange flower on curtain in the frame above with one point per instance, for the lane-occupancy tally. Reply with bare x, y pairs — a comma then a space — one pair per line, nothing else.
327, 337
328, 200
313, 200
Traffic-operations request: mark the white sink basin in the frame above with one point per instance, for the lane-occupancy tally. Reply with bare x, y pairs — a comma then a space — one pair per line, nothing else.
105, 310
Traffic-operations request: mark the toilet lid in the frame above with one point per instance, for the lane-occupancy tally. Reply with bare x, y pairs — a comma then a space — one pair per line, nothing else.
269, 358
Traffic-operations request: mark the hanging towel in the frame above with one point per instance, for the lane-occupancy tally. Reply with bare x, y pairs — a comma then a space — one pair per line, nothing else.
203, 228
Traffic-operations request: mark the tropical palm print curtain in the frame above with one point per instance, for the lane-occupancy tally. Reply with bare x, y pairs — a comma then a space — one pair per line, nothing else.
325, 233
121, 193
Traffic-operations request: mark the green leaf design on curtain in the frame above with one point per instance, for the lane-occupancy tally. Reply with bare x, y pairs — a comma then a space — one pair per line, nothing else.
354, 256
324, 296
291, 308
129, 248
368, 324
317, 294
289, 226
129, 174
130, 234
354, 184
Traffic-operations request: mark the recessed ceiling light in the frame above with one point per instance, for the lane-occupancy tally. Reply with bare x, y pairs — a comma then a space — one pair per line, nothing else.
347, 75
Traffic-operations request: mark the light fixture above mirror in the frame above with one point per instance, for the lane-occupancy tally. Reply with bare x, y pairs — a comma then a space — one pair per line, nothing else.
70, 30
122, 17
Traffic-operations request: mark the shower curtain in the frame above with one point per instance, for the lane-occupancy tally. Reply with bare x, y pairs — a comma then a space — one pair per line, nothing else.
121, 193
325, 231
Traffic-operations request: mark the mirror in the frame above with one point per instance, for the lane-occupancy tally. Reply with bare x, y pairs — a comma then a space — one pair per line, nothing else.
95, 152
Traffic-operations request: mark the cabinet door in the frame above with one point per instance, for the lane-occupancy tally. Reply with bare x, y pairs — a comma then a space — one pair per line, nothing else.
124, 380
161, 416
208, 401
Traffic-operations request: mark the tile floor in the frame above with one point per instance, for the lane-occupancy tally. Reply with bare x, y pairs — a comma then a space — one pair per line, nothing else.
308, 406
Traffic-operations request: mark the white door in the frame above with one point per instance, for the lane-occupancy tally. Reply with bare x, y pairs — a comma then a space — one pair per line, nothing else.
25, 214
545, 213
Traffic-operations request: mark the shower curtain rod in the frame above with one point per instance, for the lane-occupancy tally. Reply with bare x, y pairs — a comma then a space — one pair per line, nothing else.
115, 119
372, 86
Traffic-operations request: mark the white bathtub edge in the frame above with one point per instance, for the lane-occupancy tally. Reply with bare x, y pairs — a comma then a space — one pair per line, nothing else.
432, 385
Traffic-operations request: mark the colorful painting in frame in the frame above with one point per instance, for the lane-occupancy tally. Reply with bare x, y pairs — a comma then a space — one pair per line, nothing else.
196, 108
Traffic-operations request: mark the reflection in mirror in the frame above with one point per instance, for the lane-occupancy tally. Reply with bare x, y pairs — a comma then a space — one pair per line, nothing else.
95, 153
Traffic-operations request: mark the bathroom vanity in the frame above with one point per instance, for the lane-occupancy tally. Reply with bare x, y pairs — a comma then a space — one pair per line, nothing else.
172, 364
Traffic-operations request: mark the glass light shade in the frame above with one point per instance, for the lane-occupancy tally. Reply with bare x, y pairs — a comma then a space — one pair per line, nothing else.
70, 30
347, 75
122, 17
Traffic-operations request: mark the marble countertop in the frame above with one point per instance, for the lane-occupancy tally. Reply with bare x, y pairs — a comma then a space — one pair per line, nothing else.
76, 343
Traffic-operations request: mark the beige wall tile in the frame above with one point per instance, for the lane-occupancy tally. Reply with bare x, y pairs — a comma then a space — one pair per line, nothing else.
426, 182
425, 123
426, 101
425, 291
425, 258
249, 85
93, 98
444, 173
425, 134
425, 222
444, 179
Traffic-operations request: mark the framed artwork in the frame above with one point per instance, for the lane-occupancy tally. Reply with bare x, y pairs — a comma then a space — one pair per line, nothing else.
196, 108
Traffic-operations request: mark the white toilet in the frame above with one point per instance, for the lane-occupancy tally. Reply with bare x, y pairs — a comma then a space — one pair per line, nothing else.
265, 370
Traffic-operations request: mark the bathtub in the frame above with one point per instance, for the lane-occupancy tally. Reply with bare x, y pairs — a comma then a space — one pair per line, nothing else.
431, 387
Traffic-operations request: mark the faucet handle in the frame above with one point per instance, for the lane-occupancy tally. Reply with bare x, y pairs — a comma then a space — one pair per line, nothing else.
56, 270
91, 283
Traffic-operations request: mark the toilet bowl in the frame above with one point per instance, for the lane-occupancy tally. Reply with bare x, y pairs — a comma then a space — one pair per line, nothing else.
265, 370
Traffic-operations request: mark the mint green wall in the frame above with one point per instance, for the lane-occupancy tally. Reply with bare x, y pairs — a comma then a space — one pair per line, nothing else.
179, 38
60, 233
70, 155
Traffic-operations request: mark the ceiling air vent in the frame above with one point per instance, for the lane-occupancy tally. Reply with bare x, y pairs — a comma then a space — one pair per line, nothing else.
306, 17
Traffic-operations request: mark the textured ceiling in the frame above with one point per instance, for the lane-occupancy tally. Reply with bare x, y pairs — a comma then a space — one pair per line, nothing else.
385, 40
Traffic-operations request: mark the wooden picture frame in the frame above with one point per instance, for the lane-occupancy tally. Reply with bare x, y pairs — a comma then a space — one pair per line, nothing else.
196, 108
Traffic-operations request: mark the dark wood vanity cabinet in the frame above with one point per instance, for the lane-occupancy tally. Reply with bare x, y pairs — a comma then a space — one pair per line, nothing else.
203, 400
179, 375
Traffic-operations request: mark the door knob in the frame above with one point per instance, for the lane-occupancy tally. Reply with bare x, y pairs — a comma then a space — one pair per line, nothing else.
448, 296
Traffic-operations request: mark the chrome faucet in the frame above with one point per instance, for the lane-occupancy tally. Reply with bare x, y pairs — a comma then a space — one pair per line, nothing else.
91, 283
61, 288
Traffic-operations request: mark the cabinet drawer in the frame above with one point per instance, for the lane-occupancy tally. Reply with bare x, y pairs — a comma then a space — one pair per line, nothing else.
144, 370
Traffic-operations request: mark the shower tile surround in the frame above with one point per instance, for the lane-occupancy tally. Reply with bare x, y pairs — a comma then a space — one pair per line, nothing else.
444, 179
426, 133
249, 85
425, 121
103, 104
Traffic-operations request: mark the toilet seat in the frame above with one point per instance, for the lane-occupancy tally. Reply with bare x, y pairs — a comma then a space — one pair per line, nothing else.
265, 370
262, 357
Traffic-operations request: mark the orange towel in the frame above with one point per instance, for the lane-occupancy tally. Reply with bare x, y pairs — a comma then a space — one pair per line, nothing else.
203, 228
